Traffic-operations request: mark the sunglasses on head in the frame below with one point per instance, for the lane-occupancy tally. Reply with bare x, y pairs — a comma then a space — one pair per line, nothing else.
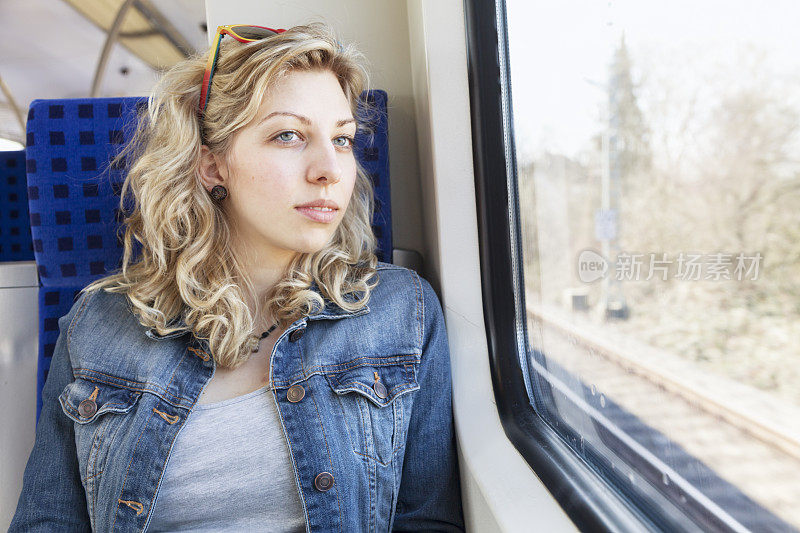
244, 33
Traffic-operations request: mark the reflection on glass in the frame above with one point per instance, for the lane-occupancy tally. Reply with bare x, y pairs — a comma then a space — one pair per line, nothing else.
658, 150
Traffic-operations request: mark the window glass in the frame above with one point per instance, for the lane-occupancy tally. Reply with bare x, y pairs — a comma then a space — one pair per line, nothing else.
658, 168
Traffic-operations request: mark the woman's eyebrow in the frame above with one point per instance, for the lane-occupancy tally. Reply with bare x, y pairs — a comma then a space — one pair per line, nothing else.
301, 118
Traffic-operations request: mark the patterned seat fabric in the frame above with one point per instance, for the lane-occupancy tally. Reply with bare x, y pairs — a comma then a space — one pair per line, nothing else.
73, 196
372, 151
15, 230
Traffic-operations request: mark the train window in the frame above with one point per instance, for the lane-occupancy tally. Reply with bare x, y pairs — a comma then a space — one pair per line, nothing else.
653, 193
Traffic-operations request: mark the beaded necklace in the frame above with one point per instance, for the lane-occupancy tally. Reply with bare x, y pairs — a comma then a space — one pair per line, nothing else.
263, 336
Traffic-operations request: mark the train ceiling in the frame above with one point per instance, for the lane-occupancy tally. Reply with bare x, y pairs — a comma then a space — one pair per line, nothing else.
51, 48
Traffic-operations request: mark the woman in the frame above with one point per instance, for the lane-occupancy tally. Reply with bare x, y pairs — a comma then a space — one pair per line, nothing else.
253, 366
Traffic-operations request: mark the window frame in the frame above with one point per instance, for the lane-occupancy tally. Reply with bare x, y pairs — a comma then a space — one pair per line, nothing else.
591, 502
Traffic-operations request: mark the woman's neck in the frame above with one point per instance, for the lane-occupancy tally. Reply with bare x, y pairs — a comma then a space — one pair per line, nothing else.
263, 281
263, 271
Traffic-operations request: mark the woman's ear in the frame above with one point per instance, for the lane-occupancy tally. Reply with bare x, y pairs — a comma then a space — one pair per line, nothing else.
211, 169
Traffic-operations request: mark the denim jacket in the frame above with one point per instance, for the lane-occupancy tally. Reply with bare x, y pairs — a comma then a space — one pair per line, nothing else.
368, 454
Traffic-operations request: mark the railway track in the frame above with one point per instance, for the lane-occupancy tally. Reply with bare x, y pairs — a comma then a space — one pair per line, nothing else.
746, 437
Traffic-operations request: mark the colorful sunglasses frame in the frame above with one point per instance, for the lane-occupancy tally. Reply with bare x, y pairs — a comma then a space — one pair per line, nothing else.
212, 57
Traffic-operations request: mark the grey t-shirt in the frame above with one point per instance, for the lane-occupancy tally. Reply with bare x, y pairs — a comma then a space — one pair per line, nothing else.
230, 470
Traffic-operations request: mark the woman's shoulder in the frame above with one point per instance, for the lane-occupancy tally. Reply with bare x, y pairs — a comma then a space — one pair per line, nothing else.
99, 319
98, 308
407, 301
394, 278
402, 291
105, 338
396, 285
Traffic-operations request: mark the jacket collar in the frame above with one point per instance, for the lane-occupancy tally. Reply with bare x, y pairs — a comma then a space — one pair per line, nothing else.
330, 311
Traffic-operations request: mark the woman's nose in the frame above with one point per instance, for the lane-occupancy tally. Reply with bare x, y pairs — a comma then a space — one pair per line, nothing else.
324, 165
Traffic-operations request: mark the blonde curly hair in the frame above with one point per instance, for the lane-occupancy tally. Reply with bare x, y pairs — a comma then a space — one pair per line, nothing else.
186, 269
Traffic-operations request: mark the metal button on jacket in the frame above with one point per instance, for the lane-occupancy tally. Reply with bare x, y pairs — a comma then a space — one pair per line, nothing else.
296, 334
87, 408
295, 393
323, 481
379, 389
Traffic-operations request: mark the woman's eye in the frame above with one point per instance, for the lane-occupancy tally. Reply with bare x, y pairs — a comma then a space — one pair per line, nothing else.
347, 141
286, 136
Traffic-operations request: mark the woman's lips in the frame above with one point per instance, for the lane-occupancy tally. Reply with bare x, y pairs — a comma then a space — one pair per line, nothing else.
318, 216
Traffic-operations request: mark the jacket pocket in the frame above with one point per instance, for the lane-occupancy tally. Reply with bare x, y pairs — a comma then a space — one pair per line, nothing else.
374, 399
97, 410
86, 401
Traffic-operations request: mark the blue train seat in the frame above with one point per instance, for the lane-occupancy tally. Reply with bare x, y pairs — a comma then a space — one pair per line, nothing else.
73, 196
372, 152
15, 229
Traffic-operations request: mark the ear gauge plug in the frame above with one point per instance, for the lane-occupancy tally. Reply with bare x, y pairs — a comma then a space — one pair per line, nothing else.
219, 193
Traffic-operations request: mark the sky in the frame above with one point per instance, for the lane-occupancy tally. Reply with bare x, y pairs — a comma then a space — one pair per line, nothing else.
560, 53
